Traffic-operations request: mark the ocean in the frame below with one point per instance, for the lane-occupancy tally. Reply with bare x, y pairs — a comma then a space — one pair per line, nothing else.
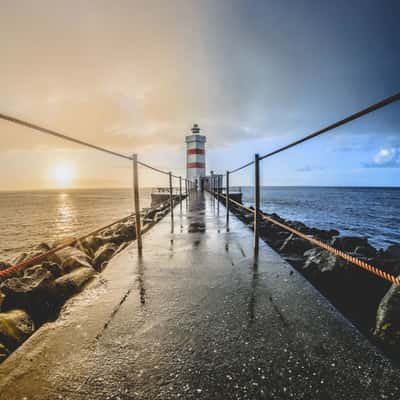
29, 218
355, 211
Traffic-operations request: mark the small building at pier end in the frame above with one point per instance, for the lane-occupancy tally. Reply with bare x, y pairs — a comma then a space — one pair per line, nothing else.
195, 156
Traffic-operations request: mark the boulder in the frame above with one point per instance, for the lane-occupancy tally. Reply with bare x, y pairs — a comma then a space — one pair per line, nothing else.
350, 243
33, 292
276, 217
324, 235
150, 214
321, 261
15, 327
248, 217
36, 251
55, 269
4, 353
388, 260
299, 226
103, 254
72, 258
121, 247
160, 214
392, 252
73, 282
274, 235
123, 233
91, 244
365, 251
387, 327
295, 245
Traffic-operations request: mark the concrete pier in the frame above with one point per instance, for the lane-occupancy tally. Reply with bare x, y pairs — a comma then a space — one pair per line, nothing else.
193, 319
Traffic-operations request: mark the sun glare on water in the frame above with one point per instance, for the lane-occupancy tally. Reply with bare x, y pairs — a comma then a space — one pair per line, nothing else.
63, 175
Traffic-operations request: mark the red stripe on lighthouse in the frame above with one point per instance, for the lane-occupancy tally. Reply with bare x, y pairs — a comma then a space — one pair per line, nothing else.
196, 165
195, 151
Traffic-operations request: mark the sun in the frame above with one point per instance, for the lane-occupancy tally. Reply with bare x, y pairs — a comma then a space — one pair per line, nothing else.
63, 175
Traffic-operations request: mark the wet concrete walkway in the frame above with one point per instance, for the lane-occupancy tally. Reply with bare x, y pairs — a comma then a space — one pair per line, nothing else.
192, 319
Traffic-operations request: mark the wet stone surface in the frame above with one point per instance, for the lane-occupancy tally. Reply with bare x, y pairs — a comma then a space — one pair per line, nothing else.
193, 319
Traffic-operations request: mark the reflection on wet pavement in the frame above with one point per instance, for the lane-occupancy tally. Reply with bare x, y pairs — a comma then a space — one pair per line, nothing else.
141, 281
196, 214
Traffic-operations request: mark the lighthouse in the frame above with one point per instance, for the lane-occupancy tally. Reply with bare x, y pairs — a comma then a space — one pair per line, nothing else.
195, 156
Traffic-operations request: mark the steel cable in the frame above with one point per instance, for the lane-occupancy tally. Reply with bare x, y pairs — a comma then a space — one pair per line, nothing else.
60, 135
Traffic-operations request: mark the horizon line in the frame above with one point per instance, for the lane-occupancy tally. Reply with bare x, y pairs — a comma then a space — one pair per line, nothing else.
232, 186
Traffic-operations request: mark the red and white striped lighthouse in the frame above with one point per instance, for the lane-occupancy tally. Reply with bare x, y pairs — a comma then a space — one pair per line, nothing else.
195, 155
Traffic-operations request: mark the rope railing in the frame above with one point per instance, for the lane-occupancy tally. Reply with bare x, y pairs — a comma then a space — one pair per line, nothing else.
66, 243
347, 257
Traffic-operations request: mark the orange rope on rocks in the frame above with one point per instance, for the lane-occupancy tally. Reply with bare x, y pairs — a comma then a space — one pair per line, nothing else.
362, 264
41, 257
339, 253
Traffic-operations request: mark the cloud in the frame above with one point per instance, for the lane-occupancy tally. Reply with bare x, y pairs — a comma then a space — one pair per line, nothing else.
387, 157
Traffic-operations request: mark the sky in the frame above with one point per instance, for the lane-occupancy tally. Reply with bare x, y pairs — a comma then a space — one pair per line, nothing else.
133, 76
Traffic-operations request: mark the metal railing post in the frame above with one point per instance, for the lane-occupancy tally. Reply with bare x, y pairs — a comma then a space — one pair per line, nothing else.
171, 201
256, 204
213, 191
136, 203
218, 186
180, 193
227, 201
